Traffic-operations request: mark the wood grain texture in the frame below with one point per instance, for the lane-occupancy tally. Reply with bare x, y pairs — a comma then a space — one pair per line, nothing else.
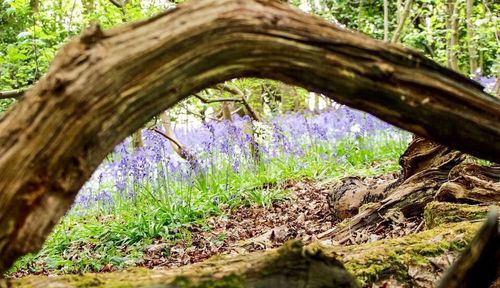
103, 85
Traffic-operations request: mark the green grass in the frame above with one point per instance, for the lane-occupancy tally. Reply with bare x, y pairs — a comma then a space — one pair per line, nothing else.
88, 239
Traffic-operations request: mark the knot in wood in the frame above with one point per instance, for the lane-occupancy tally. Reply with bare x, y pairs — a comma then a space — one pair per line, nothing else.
92, 34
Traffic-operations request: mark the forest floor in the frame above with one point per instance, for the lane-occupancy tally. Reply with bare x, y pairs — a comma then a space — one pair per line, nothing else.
304, 214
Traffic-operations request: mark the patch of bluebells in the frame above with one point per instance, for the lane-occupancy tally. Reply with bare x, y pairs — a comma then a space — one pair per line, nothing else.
488, 82
221, 144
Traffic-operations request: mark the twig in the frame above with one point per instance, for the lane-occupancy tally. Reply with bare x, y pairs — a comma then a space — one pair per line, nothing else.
419, 227
168, 138
236, 90
200, 115
12, 94
208, 101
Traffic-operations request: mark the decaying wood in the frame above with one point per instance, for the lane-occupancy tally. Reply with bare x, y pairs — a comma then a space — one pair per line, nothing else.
417, 259
55, 136
293, 265
423, 154
472, 183
479, 265
437, 213
408, 198
429, 171
425, 167
348, 195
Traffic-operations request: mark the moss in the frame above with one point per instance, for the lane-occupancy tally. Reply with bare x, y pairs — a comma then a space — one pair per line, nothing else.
437, 213
367, 206
231, 281
369, 262
392, 257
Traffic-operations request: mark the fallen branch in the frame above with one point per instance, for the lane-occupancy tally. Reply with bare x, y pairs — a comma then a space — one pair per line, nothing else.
64, 127
292, 265
216, 100
13, 94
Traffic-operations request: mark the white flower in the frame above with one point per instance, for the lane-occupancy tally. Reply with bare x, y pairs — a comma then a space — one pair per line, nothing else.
356, 128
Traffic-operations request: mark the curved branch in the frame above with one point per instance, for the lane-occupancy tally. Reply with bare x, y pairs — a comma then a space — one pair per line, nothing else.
54, 137
216, 100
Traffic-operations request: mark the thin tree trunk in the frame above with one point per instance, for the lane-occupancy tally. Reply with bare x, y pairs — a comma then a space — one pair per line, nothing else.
56, 135
137, 140
386, 20
402, 20
470, 35
315, 102
452, 25
496, 89
226, 112
34, 5
88, 7
399, 9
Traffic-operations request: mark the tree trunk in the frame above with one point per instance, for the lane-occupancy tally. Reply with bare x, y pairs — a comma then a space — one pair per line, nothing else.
137, 141
471, 43
54, 137
401, 21
452, 26
386, 20
497, 85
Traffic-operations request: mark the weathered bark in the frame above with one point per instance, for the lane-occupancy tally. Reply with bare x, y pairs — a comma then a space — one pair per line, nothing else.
425, 167
408, 198
471, 183
54, 137
422, 155
290, 266
479, 265
348, 195
415, 260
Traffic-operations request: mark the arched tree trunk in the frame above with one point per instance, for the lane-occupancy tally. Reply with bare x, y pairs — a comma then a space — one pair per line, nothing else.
56, 135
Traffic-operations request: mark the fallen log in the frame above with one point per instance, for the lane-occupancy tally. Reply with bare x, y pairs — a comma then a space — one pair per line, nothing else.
479, 264
471, 183
292, 265
425, 168
429, 172
56, 135
437, 213
418, 260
